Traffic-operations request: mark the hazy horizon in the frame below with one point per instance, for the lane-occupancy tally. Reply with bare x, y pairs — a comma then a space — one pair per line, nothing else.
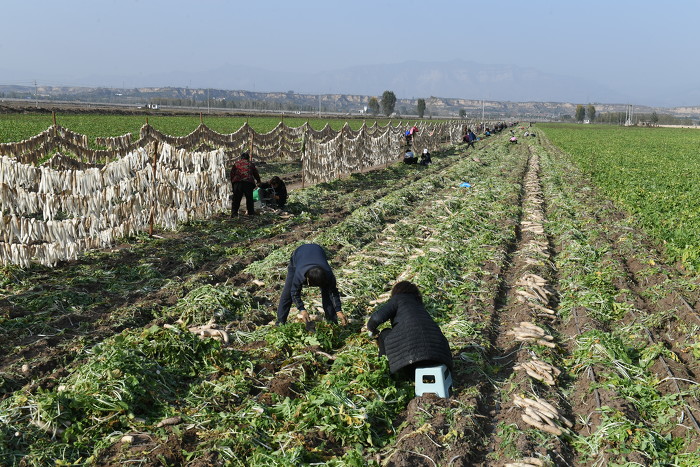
638, 50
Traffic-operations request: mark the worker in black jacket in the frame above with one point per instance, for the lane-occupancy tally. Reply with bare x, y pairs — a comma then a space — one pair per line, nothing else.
309, 266
414, 339
280, 191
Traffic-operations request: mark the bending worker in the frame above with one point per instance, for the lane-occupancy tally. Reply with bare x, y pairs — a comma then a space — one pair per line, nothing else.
309, 266
414, 339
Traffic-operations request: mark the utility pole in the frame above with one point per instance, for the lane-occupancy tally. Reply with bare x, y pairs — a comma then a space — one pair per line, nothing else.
483, 123
36, 95
628, 115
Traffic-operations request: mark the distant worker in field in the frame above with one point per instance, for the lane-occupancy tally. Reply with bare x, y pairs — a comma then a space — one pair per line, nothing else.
425, 158
308, 266
409, 157
280, 191
409, 134
414, 339
244, 176
471, 138
274, 192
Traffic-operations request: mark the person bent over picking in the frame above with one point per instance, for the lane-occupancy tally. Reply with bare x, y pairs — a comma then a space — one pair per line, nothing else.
414, 339
308, 266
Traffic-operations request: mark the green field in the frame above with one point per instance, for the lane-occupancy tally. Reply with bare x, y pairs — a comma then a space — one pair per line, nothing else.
654, 173
15, 127
103, 363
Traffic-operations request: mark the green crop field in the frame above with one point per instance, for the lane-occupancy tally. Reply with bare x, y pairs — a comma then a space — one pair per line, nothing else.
17, 127
654, 173
575, 341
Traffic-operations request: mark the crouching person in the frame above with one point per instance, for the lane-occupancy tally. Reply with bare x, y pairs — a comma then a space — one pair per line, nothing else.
280, 191
414, 339
273, 193
309, 266
409, 157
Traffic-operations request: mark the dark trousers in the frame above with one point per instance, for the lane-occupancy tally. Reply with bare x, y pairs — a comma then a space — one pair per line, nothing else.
286, 300
286, 297
408, 372
405, 373
241, 189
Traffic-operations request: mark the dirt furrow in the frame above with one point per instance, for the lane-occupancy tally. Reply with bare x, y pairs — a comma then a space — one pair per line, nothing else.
525, 401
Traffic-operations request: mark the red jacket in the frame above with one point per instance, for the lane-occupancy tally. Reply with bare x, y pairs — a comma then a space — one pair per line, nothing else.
244, 170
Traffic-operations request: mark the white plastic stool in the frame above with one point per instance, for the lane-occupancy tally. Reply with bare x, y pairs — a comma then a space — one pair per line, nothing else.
435, 379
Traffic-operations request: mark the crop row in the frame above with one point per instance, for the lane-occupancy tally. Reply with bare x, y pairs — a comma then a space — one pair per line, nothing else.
604, 330
651, 173
619, 363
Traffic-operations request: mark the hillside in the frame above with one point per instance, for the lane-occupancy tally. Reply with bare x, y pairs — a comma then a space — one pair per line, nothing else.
290, 101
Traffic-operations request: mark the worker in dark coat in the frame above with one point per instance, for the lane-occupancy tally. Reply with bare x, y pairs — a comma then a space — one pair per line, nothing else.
273, 193
309, 266
244, 176
414, 339
280, 191
425, 158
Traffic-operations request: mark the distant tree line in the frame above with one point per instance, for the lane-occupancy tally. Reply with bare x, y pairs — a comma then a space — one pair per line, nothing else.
420, 107
373, 106
388, 102
619, 118
290, 101
583, 113
217, 99
654, 118
387, 105
246, 104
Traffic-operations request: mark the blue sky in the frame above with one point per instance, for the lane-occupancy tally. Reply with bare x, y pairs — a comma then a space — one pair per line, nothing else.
641, 47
